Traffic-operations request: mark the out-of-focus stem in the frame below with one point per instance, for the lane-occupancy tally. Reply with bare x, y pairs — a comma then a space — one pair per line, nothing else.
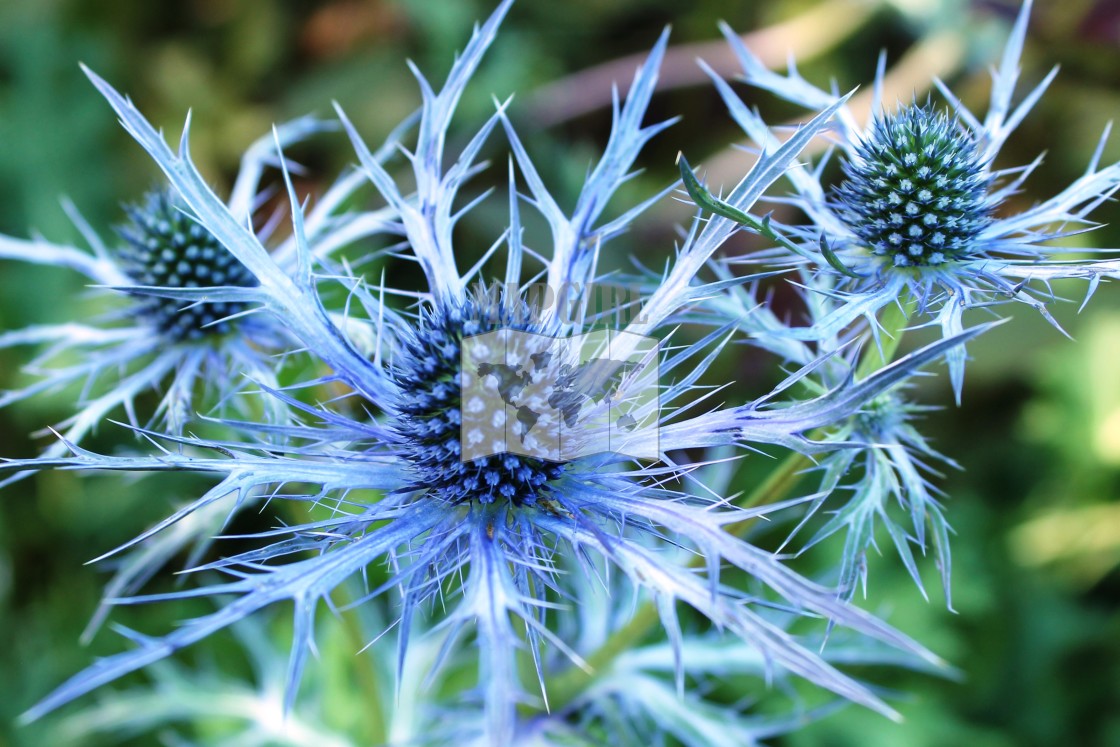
367, 677
570, 683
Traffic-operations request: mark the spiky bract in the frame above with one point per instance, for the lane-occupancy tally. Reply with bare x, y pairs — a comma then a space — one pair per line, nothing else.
868, 243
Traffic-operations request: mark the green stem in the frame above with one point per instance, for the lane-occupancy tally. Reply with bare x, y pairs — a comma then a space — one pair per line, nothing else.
574, 680
892, 327
367, 675
777, 485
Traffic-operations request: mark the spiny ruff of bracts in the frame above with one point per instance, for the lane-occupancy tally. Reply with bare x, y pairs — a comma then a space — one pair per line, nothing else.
882, 415
429, 414
916, 191
165, 248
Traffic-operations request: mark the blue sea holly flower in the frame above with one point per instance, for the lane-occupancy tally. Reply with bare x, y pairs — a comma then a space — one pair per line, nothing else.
148, 342
193, 353
495, 539
882, 475
918, 217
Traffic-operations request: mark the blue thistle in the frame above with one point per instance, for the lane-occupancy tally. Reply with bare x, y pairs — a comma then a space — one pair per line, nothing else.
916, 189
892, 464
498, 542
883, 465
166, 248
179, 348
156, 340
869, 239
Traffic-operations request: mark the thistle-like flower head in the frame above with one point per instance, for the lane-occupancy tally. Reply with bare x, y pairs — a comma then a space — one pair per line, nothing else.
504, 537
916, 218
892, 466
916, 189
165, 248
881, 477
195, 350
174, 292
429, 410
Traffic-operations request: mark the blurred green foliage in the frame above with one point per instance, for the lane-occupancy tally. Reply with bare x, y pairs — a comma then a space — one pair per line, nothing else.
1036, 633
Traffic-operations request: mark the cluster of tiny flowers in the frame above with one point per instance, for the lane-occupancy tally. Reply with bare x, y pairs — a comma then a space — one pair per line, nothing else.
166, 248
429, 411
916, 189
509, 581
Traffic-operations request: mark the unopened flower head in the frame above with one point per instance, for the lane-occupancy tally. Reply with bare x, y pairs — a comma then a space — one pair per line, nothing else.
174, 291
915, 221
166, 248
916, 189
890, 474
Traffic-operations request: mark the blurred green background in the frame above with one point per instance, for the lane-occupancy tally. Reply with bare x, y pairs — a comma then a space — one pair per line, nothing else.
1036, 632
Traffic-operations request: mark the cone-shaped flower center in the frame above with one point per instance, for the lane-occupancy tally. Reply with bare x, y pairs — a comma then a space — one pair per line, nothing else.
165, 248
429, 413
916, 191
